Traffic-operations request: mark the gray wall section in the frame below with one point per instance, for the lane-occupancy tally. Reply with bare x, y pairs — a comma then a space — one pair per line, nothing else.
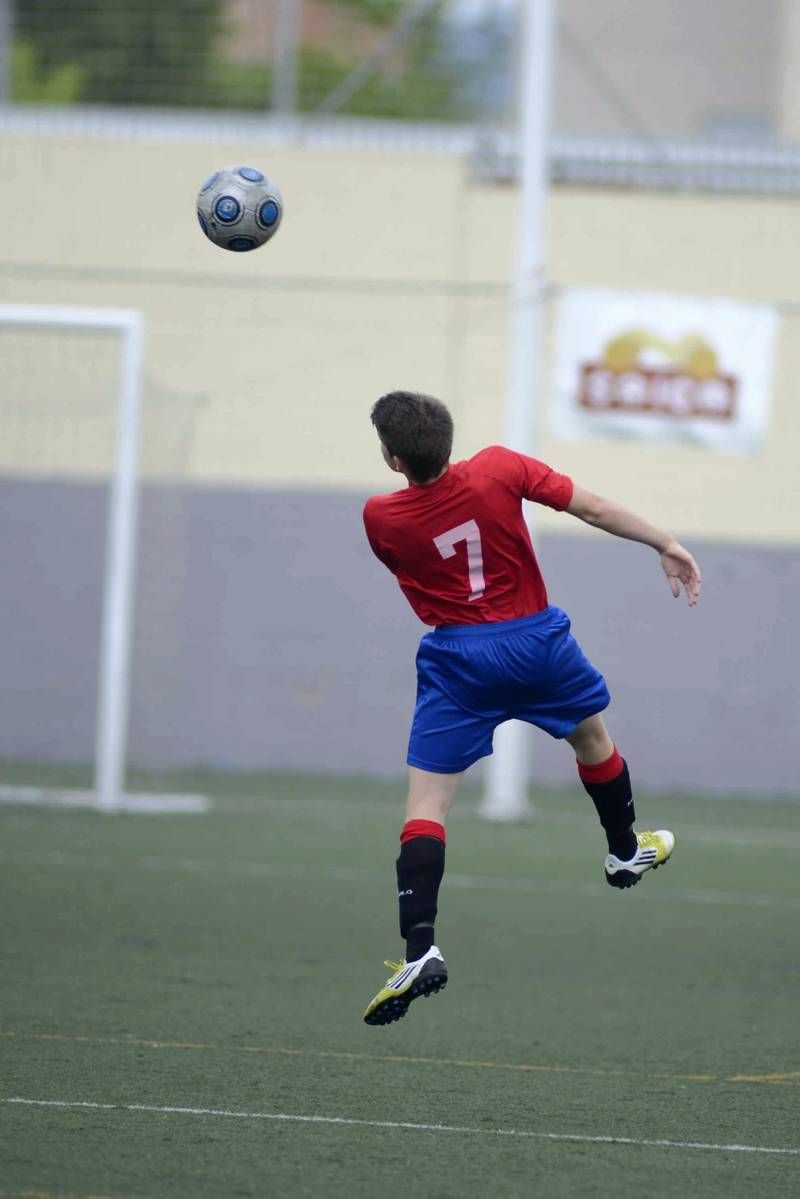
51, 553
267, 637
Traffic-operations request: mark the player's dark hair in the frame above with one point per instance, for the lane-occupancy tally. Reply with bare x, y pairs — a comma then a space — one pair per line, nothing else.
416, 428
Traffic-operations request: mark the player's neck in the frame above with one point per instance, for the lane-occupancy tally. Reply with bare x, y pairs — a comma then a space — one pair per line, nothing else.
429, 482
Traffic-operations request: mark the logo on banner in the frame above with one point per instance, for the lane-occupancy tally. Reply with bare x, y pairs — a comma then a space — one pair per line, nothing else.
647, 366
638, 371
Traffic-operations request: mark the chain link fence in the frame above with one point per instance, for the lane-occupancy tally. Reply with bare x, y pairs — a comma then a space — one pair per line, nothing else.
723, 70
389, 58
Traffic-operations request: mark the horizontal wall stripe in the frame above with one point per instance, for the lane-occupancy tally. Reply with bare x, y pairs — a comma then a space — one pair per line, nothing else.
268, 637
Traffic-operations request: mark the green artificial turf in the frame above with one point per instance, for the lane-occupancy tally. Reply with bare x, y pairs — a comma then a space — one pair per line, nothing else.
222, 962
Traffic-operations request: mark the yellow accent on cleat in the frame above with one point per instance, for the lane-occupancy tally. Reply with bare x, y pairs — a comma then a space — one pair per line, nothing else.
408, 981
392, 988
652, 850
663, 842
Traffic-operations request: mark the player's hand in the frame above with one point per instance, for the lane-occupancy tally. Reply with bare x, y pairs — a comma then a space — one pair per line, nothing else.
680, 568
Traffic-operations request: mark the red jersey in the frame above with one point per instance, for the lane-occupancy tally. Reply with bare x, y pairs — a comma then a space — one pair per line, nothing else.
460, 547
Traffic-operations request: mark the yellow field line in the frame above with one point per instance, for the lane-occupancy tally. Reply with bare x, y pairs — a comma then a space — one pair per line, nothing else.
35, 1193
783, 1080
340, 1055
788, 1079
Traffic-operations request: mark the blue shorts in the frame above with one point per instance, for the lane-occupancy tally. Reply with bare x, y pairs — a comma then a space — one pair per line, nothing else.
470, 678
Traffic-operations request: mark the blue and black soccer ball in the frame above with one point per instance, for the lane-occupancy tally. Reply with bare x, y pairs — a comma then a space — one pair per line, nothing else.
239, 208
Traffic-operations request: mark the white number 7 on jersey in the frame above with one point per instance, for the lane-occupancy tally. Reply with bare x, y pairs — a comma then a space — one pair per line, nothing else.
446, 545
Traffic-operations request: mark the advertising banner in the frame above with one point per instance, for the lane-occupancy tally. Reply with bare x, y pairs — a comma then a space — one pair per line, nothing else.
662, 368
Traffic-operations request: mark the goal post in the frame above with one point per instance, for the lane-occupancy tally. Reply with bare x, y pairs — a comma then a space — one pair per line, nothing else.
506, 790
121, 531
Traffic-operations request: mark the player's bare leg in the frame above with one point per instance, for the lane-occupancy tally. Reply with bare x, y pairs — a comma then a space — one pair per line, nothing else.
604, 774
591, 741
430, 796
420, 867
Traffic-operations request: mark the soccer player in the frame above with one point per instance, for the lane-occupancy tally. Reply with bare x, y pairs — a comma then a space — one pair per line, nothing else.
456, 540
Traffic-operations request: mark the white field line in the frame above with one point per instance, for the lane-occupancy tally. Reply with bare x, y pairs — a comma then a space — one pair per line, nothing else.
754, 839
354, 874
736, 835
468, 810
148, 803
348, 874
291, 1118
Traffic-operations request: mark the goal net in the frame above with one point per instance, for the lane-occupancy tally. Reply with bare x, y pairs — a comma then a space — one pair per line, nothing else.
71, 412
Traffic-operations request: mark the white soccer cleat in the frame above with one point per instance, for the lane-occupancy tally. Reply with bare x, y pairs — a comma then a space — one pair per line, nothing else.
652, 851
425, 976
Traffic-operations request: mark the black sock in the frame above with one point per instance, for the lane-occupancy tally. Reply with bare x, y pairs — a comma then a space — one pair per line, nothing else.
420, 867
613, 799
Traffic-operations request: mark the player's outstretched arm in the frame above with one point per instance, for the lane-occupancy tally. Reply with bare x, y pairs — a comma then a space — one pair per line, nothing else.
678, 564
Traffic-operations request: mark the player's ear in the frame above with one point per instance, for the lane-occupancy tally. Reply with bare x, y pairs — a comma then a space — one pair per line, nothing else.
392, 461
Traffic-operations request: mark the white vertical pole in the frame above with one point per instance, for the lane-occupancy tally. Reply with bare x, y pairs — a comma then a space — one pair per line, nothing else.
508, 769
284, 56
115, 644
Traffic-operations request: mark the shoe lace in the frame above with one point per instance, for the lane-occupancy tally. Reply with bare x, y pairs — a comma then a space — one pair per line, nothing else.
394, 966
648, 840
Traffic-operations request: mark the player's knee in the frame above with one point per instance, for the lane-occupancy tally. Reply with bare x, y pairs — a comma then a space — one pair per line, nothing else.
590, 740
427, 808
430, 795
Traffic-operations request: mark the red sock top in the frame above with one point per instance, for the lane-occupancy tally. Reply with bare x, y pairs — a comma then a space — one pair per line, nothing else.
602, 772
421, 828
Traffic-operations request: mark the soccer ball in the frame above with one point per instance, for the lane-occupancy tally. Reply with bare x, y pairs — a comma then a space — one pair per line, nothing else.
239, 208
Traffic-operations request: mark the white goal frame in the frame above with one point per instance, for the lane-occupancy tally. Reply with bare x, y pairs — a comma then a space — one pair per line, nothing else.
111, 732
508, 772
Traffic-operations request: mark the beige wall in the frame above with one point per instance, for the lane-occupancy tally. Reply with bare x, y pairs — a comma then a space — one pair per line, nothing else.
787, 79
389, 271
684, 68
